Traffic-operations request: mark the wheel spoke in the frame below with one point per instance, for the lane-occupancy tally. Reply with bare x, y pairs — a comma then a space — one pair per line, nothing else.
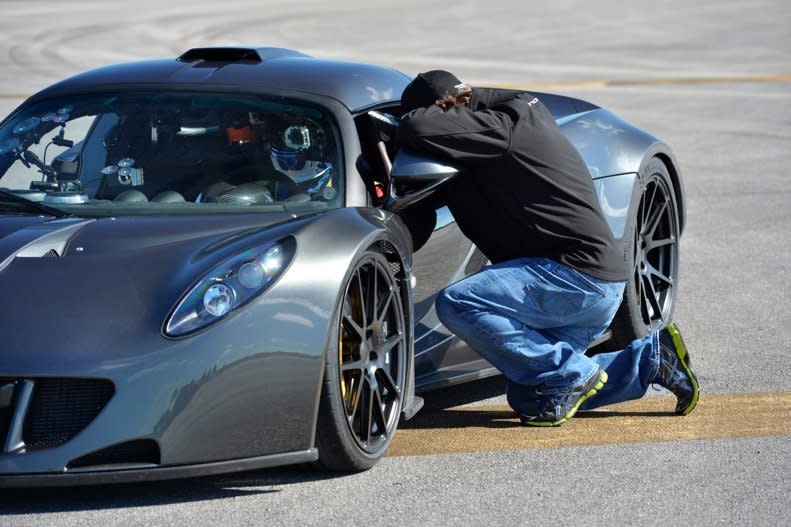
643, 208
357, 365
656, 244
652, 271
370, 295
384, 305
360, 298
642, 297
368, 414
647, 205
378, 413
389, 383
654, 220
351, 325
637, 256
392, 342
652, 297
356, 397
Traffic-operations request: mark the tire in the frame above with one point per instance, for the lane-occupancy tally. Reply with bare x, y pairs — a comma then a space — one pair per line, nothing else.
651, 244
366, 367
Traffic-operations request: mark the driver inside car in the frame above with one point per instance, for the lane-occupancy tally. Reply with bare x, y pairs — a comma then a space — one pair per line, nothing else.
245, 175
298, 153
274, 163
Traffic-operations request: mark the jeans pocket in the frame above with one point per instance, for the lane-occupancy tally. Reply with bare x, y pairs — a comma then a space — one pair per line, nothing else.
557, 292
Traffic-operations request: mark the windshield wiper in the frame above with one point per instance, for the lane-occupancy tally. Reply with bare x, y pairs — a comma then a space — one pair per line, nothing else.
13, 204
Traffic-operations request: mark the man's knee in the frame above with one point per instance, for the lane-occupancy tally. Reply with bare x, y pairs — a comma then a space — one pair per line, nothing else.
447, 307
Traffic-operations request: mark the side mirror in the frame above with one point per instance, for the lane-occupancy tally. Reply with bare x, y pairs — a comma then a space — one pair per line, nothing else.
415, 177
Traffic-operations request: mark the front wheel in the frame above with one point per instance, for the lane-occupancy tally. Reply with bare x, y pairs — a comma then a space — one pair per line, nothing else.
651, 245
366, 368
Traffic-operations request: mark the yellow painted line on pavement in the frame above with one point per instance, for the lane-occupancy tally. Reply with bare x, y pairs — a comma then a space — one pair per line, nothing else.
13, 96
784, 77
496, 427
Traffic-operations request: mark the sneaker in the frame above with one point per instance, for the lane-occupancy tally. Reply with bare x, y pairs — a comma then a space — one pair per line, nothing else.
554, 410
675, 373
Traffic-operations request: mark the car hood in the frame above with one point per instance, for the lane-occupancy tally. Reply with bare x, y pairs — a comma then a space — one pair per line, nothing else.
72, 282
81, 236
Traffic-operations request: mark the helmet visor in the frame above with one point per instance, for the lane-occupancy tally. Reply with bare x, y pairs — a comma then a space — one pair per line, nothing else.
287, 160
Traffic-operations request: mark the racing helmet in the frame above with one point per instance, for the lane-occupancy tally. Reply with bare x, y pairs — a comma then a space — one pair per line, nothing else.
299, 154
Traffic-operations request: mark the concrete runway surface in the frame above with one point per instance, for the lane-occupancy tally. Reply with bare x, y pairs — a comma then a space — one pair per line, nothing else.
713, 79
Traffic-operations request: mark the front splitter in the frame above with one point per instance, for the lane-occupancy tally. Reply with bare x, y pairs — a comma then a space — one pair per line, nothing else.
110, 474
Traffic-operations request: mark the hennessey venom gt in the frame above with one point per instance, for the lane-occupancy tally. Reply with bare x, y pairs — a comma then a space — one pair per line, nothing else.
210, 264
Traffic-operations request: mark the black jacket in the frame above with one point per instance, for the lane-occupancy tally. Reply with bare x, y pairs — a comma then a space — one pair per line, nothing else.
524, 189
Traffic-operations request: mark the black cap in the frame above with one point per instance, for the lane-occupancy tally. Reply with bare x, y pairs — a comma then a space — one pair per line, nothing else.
427, 88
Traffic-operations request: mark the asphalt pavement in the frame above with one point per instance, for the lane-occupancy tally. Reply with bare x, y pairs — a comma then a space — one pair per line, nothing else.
712, 79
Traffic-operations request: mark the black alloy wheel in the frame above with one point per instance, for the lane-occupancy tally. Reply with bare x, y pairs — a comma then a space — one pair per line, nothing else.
656, 253
366, 373
652, 255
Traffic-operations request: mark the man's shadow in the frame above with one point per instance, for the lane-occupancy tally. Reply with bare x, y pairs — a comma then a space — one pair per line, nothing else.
440, 409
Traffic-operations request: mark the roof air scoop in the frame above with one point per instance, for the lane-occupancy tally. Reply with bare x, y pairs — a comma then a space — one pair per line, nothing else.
230, 55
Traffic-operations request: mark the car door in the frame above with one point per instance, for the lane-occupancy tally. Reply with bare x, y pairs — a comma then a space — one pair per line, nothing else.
447, 256
443, 255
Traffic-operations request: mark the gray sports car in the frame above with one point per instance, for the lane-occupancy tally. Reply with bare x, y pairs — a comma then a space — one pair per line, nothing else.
210, 264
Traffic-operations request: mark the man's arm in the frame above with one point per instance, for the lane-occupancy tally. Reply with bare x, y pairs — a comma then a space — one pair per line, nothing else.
459, 134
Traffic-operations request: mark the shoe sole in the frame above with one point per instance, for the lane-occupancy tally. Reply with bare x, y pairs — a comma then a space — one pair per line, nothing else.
590, 393
683, 357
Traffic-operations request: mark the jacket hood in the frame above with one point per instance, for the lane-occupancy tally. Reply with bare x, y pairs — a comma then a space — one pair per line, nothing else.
483, 98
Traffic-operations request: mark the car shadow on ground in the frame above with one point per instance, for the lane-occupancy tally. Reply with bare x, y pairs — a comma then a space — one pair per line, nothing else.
440, 411
156, 493
265, 481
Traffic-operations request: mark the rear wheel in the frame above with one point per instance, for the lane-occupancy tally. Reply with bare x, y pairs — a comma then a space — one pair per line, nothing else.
365, 371
652, 240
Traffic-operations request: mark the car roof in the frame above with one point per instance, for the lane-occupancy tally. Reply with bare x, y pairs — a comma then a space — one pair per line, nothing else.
255, 70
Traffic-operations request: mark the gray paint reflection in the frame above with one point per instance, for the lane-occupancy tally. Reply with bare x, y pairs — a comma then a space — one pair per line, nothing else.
614, 195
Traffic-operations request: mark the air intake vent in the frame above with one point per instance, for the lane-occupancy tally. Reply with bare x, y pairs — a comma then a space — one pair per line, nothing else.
6, 407
5, 422
240, 55
142, 451
61, 408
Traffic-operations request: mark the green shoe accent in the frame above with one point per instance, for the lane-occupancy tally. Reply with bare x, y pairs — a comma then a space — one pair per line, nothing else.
683, 357
593, 390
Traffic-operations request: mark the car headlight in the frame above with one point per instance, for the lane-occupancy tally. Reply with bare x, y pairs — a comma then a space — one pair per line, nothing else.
229, 286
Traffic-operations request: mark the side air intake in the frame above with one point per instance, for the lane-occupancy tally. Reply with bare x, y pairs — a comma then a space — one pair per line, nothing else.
138, 452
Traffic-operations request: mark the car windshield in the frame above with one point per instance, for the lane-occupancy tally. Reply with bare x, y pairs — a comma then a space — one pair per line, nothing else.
148, 153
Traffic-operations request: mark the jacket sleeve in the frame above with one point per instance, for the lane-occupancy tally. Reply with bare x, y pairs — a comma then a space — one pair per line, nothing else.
459, 134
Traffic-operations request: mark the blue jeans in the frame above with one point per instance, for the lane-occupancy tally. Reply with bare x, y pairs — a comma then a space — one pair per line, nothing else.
534, 318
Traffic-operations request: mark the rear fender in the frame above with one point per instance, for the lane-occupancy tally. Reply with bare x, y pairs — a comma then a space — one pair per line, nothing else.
611, 146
